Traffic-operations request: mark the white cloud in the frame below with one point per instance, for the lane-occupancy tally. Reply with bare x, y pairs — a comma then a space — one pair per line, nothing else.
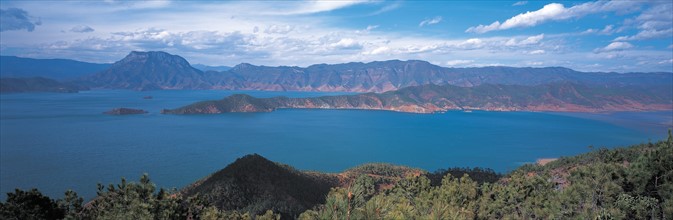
655, 22
371, 27
279, 29
615, 46
555, 12
532, 40
347, 43
607, 30
527, 41
534, 63
81, 29
647, 34
666, 61
314, 6
367, 29
430, 21
472, 43
378, 50
458, 62
519, 3
386, 8
537, 52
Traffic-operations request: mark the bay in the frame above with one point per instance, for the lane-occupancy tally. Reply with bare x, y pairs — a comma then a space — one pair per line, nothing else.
56, 142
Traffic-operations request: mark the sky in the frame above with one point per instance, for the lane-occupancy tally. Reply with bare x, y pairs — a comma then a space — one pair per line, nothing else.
606, 36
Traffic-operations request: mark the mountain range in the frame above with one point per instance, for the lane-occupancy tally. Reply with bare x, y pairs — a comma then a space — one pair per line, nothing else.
159, 70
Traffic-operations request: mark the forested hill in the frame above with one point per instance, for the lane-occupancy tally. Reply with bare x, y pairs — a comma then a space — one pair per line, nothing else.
433, 98
634, 182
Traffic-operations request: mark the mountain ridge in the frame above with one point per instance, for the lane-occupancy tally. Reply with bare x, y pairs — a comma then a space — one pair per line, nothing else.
155, 70
560, 97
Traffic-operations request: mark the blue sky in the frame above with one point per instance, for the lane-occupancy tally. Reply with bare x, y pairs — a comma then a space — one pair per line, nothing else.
621, 36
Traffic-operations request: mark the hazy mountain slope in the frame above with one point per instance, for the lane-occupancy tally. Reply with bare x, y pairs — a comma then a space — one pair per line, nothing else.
205, 68
37, 84
58, 69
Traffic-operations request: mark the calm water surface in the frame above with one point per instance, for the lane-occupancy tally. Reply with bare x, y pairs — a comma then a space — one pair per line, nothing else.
62, 141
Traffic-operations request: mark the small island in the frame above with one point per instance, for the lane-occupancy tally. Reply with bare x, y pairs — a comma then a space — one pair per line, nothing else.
125, 111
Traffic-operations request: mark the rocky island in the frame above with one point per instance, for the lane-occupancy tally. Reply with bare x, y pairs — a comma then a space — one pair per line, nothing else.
125, 111
558, 97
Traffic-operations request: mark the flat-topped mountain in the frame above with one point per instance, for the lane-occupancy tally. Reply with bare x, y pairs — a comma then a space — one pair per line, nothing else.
149, 71
565, 97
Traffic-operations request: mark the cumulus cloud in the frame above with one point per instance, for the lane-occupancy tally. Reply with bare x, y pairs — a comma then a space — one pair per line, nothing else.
555, 12
430, 21
13, 19
537, 52
81, 29
519, 3
615, 46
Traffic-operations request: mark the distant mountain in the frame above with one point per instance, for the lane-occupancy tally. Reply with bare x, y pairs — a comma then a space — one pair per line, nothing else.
205, 68
58, 69
37, 84
149, 71
564, 97
394, 74
159, 70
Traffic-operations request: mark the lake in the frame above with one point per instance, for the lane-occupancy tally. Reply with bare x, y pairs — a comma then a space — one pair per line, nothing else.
56, 142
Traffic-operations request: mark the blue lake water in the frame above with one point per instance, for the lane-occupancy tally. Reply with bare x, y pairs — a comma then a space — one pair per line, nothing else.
62, 141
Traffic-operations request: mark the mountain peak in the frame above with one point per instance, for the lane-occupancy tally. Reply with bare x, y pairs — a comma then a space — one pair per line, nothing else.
154, 56
149, 71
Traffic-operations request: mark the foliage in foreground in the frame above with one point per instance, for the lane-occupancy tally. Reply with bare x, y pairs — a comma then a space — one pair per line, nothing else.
622, 183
